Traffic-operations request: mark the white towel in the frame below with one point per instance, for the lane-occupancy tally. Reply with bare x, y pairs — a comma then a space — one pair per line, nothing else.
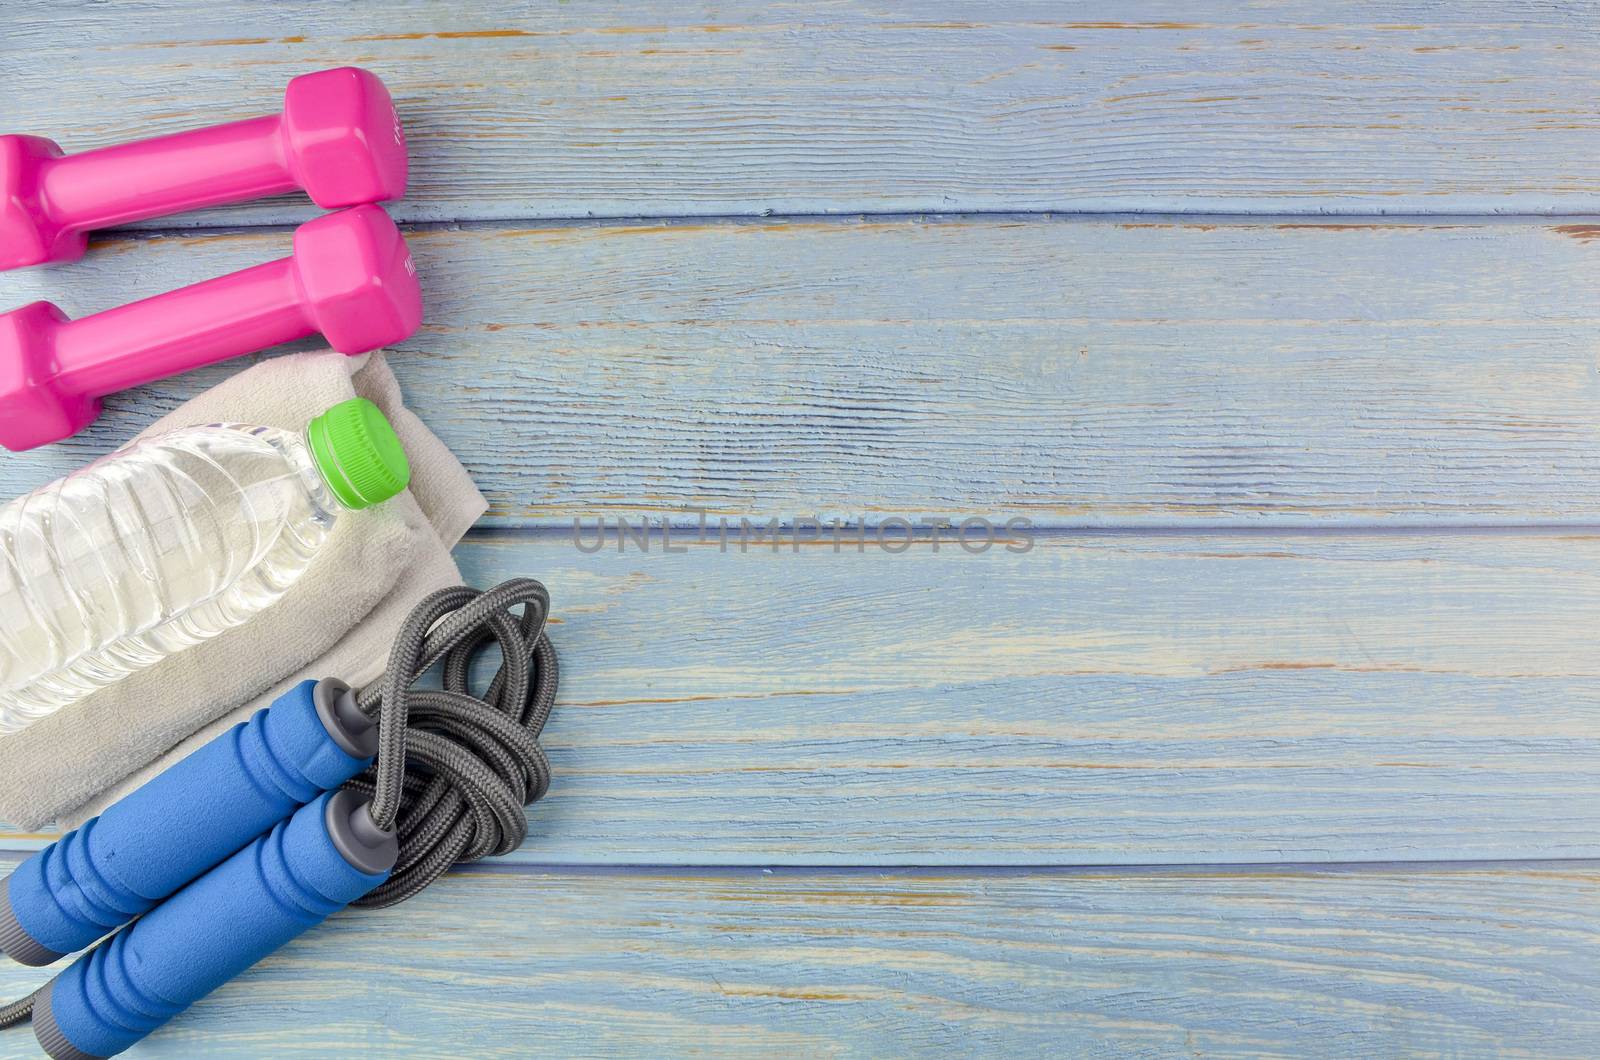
337, 619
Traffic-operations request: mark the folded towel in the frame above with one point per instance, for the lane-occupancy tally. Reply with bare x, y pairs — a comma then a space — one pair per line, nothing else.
335, 621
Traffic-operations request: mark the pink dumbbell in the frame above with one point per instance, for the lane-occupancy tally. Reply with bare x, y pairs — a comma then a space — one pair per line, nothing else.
350, 277
338, 138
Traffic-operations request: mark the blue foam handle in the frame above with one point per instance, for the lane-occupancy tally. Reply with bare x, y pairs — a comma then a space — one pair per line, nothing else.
281, 885
183, 822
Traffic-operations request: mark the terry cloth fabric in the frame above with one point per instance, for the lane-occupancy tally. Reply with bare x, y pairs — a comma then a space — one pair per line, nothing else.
336, 620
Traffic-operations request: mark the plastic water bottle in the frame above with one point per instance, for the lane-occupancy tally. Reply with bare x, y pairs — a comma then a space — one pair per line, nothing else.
169, 542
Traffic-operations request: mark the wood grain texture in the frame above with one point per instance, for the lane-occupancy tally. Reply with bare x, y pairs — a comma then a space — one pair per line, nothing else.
1097, 373
1200, 681
745, 107
1101, 699
1345, 964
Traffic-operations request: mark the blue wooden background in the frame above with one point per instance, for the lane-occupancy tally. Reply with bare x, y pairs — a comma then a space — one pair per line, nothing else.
1276, 320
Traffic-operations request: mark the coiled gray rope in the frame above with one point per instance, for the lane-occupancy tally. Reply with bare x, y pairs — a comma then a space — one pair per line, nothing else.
454, 770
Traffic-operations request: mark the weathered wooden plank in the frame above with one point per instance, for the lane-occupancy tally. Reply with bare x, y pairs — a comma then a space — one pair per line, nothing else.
1328, 963
1092, 701
1100, 699
561, 110
1073, 373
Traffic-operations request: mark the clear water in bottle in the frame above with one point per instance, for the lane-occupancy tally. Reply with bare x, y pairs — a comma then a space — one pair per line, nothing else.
168, 543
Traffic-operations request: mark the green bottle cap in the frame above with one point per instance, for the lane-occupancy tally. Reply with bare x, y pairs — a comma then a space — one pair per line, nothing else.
358, 453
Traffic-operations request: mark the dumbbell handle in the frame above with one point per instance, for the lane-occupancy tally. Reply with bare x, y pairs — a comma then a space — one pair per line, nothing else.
173, 332
184, 821
168, 174
320, 860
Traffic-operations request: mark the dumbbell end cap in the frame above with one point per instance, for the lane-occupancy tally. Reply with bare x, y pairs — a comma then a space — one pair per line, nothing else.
28, 234
34, 410
359, 281
344, 139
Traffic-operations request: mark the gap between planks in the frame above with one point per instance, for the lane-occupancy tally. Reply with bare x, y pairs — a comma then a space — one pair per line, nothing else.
1065, 530
172, 230
12, 853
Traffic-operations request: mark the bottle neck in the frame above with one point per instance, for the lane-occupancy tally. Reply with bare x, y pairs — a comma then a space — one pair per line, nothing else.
317, 487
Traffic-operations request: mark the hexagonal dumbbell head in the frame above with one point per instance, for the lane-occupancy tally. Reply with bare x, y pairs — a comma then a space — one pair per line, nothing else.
33, 408
343, 138
29, 235
359, 281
